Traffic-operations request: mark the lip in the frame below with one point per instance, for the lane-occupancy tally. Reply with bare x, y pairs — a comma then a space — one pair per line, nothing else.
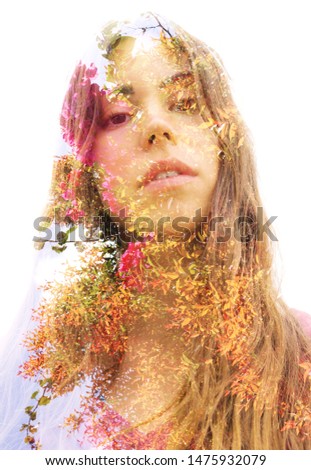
186, 174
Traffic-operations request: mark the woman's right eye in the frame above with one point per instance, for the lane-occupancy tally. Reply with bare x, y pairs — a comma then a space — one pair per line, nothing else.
117, 119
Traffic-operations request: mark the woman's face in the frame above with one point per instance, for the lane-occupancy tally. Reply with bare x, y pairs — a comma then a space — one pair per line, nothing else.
158, 159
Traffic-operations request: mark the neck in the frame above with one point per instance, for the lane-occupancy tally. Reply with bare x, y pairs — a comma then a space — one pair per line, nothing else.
151, 373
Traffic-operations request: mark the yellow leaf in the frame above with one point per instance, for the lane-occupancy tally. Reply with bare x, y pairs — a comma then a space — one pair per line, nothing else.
215, 291
186, 322
207, 124
171, 276
222, 130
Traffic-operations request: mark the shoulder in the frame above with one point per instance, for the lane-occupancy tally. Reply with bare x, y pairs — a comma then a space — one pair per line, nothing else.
304, 320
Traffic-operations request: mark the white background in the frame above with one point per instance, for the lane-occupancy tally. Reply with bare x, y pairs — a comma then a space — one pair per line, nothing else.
274, 459
265, 46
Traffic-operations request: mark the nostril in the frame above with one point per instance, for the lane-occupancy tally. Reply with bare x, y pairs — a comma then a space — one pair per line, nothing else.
153, 138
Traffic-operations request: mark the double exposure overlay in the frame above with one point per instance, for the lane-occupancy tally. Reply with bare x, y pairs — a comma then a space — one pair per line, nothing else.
167, 327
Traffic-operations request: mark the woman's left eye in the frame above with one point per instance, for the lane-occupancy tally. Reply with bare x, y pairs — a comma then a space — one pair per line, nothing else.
185, 105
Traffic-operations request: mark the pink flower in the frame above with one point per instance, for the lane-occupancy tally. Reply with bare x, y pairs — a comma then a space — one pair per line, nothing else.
131, 265
74, 176
68, 194
108, 194
74, 213
90, 72
131, 257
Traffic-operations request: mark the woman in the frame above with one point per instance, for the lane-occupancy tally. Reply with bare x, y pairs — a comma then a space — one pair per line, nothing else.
167, 332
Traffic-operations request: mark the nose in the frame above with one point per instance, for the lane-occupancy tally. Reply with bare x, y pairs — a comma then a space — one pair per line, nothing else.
157, 132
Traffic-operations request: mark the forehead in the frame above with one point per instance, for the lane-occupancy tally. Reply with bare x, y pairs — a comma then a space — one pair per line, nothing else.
149, 59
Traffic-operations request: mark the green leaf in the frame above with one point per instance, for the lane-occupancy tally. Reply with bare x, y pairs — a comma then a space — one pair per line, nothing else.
62, 237
33, 396
44, 401
59, 249
71, 229
28, 410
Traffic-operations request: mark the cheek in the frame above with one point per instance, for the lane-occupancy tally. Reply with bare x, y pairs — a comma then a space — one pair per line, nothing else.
108, 149
114, 160
113, 156
205, 147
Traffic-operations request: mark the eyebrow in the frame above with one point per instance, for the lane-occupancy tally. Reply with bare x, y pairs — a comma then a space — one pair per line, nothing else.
128, 89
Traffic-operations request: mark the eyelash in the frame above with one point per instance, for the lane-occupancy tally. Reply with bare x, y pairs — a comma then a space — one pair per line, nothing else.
109, 119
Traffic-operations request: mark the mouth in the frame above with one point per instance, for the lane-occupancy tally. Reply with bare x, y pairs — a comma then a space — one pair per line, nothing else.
167, 173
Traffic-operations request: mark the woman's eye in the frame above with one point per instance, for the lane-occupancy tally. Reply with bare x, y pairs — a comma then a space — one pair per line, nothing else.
119, 118
185, 105
116, 119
